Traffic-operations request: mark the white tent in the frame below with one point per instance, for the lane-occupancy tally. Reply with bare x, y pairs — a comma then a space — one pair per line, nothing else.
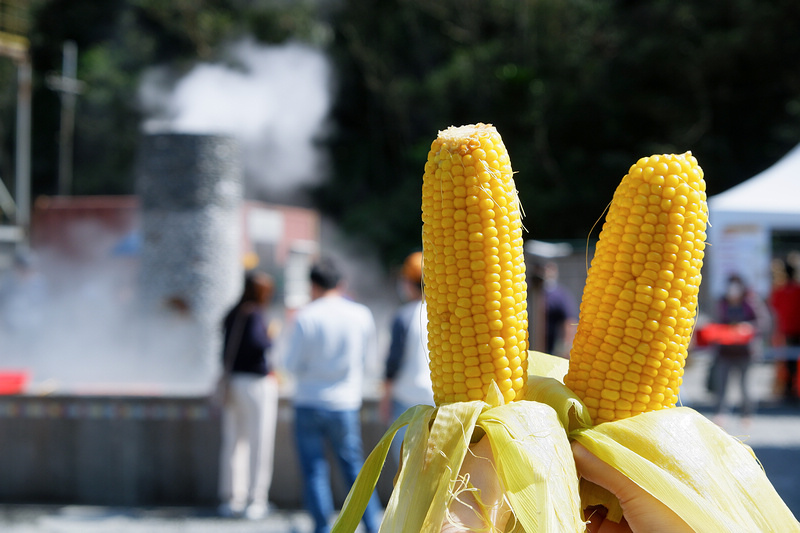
743, 219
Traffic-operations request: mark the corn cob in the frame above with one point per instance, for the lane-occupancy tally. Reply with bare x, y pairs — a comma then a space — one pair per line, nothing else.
474, 268
639, 302
637, 315
649, 255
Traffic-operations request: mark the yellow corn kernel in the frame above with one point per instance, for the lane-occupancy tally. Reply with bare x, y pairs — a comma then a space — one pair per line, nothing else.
474, 267
659, 211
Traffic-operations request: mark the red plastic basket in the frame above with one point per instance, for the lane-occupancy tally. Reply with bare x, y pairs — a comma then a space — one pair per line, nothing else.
13, 381
726, 334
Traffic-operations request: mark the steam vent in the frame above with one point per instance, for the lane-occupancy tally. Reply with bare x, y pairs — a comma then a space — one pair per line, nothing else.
190, 189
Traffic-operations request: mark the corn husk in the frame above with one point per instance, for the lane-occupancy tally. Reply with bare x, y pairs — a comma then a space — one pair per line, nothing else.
535, 465
356, 502
710, 479
532, 457
546, 385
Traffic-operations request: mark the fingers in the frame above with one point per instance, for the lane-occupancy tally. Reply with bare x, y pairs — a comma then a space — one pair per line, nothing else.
601, 473
597, 523
643, 512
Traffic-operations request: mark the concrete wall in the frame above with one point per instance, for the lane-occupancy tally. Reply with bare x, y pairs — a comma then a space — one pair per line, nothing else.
131, 451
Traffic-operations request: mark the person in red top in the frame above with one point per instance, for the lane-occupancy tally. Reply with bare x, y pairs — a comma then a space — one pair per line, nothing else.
785, 301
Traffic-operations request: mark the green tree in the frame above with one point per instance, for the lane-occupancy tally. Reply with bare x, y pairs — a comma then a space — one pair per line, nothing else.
579, 90
118, 40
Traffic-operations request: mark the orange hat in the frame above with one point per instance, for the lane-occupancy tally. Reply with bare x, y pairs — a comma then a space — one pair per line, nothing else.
412, 267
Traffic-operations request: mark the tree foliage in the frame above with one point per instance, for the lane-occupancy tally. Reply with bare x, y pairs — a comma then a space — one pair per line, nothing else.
579, 89
118, 40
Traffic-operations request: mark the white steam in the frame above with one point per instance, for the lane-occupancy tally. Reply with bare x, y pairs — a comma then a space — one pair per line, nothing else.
93, 337
274, 99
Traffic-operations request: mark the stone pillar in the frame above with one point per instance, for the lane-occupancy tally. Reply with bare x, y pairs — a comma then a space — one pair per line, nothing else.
190, 189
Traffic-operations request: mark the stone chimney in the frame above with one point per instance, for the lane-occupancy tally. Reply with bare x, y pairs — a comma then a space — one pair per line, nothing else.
190, 189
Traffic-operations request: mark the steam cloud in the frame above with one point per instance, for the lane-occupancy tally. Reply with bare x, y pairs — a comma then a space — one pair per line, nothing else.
274, 99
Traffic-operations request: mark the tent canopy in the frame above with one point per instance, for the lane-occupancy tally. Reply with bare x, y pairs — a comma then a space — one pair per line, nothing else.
775, 190
743, 219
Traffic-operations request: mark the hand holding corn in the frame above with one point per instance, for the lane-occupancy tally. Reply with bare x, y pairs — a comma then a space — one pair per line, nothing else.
616, 397
642, 513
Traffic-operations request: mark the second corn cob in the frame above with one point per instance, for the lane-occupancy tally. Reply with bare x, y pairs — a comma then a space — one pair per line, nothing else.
474, 267
640, 299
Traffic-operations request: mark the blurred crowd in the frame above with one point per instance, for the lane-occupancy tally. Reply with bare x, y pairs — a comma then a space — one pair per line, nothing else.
325, 346
746, 328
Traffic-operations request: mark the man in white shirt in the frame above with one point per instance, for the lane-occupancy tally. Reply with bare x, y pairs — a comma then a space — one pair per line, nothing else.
327, 349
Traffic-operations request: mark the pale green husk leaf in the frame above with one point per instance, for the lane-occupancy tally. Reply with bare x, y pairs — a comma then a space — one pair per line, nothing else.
361, 491
434, 447
545, 385
535, 465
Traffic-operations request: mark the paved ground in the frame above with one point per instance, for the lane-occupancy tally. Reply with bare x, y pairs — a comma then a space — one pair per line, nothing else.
37, 519
774, 434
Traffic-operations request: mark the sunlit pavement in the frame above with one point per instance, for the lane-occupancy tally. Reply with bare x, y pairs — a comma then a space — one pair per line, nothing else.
85, 519
773, 433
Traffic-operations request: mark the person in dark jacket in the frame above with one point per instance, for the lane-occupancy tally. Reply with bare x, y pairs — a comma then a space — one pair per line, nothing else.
407, 376
561, 314
250, 404
735, 354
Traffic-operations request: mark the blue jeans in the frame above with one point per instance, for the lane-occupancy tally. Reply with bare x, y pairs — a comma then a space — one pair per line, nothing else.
398, 408
342, 431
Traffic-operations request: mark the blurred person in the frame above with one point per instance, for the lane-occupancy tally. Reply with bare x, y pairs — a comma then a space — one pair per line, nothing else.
785, 303
331, 338
407, 377
733, 347
250, 403
561, 313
